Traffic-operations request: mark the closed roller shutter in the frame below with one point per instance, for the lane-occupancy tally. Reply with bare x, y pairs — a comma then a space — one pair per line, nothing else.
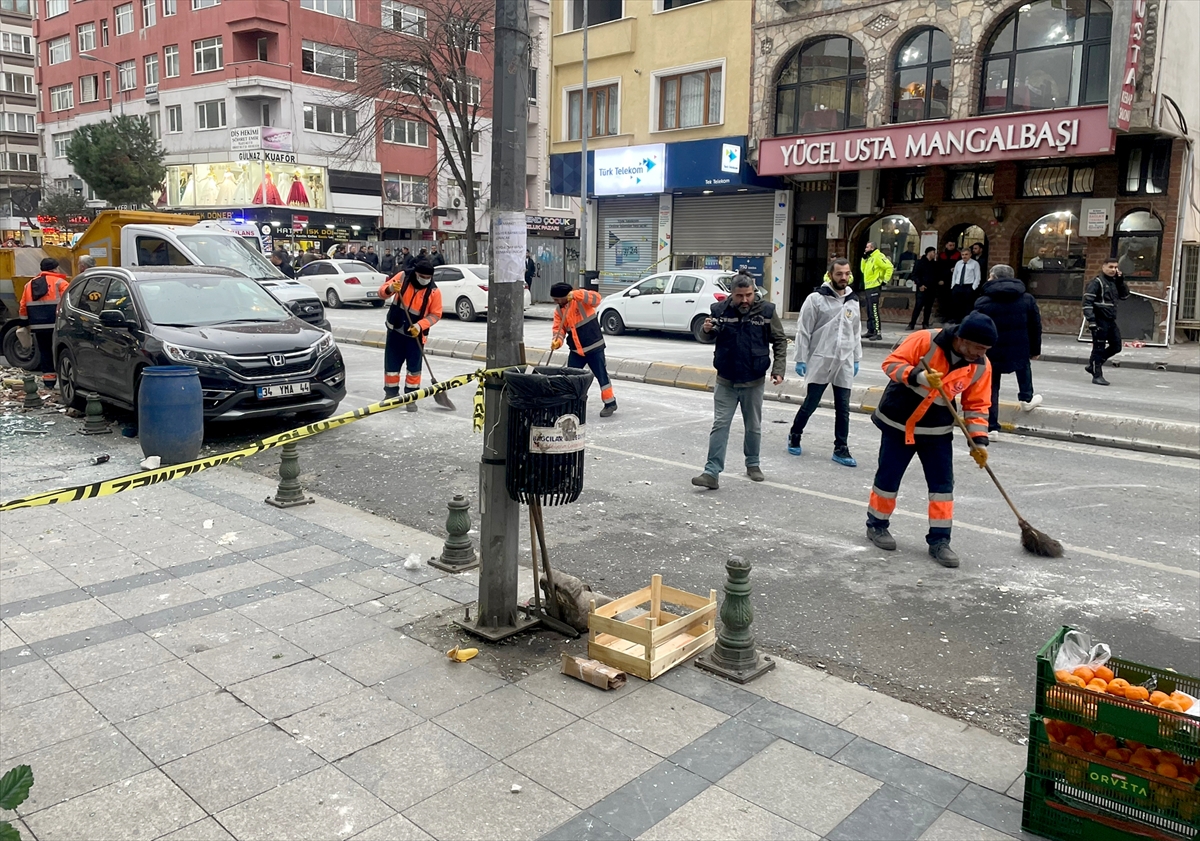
628, 246
737, 225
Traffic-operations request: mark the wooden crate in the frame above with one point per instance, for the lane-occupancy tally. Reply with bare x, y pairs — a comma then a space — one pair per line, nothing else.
652, 643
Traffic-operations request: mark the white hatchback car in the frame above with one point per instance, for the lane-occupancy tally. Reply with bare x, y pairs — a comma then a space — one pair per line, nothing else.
464, 288
677, 301
341, 282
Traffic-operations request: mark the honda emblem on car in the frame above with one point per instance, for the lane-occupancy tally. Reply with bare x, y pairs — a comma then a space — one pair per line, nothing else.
276, 360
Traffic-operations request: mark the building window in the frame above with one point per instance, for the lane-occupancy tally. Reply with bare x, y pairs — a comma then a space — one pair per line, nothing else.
210, 115
1144, 166
262, 47
331, 62
922, 85
54, 8
265, 114
59, 50
62, 98
208, 55
170, 9
971, 184
127, 75
19, 123
1053, 254
533, 85
104, 32
822, 88
204, 4
599, 11
554, 201
154, 119
151, 62
326, 120
1048, 54
405, 132
16, 83
462, 34
473, 86
12, 43
19, 162
171, 61
1062, 180
61, 142
476, 142
602, 111
89, 88
406, 189
691, 99
1138, 245
123, 16
406, 78
86, 35
149, 16
668, 5
174, 119
337, 8
405, 18
107, 85
21, 7
911, 187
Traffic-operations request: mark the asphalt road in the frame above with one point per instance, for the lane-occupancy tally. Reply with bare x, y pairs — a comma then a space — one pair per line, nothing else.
1133, 393
958, 641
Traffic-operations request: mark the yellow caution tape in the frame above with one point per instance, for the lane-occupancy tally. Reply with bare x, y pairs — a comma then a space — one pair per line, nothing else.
109, 487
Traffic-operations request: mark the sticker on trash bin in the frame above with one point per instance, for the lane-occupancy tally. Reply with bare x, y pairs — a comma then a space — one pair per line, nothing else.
567, 435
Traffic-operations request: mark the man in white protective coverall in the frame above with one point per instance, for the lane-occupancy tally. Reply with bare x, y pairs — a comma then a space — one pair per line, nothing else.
828, 350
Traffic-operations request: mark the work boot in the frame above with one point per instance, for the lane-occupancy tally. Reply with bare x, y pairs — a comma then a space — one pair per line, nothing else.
943, 554
1090, 369
842, 456
755, 473
882, 538
608, 409
411, 407
794, 445
706, 480
1099, 380
391, 393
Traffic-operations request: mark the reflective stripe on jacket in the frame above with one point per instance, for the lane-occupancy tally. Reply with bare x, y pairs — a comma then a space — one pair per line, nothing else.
422, 304
577, 322
906, 405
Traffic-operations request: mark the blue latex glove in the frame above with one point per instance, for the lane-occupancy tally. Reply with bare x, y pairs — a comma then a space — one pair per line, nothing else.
801, 368
856, 369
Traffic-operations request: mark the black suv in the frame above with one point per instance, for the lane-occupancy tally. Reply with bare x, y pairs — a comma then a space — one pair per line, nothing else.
255, 358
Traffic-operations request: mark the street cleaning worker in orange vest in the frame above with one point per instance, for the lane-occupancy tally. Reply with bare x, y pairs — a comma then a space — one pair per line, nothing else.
39, 305
415, 306
575, 322
915, 420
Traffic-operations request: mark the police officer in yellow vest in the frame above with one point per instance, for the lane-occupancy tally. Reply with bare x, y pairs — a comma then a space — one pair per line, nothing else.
876, 271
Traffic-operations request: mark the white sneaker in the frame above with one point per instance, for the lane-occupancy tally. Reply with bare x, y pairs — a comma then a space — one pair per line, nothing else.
1033, 403
993, 436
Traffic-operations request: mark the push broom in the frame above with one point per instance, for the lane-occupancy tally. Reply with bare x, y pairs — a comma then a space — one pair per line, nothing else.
1034, 541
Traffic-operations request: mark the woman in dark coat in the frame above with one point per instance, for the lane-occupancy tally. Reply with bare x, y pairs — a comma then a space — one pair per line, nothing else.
1019, 325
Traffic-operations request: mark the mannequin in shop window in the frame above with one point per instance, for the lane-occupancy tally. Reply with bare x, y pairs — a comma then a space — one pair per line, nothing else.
267, 193
227, 192
297, 195
206, 190
187, 188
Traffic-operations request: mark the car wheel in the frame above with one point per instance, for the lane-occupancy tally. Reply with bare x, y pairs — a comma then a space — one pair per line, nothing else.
698, 327
28, 358
465, 309
612, 324
68, 382
332, 300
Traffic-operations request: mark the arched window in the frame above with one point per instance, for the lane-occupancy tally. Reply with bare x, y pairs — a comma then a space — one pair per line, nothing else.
822, 87
1052, 259
922, 86
1048, 54
1138, 244
899, 240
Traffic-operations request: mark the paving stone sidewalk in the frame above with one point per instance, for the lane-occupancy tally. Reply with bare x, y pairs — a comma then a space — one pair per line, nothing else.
184, 662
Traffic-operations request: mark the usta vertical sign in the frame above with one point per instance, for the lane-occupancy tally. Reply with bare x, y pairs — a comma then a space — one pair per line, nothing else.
1133, 60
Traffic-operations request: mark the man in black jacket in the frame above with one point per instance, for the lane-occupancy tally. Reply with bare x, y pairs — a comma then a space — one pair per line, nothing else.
387, 265
927, 280
1019, 338
747, 333
1100, 312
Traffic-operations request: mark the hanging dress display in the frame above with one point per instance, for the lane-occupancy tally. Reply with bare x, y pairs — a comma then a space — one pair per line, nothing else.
297, 195
267, 192
227, 192
244, 181
206, 191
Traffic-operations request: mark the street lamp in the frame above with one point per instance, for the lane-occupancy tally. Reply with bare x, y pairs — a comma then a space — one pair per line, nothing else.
90, 57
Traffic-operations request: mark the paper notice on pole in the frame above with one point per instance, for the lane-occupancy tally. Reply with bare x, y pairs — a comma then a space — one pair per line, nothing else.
508, 247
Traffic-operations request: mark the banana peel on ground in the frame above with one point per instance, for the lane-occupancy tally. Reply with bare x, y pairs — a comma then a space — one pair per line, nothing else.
461, 655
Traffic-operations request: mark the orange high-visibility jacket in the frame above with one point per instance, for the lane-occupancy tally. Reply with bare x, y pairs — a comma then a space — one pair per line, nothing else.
909, 406
576, 322
56, 285
422, 304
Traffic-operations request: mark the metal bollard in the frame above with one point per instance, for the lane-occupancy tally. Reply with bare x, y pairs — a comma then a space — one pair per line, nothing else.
289, 494
32, 399
734, 656
94, 423
458, 552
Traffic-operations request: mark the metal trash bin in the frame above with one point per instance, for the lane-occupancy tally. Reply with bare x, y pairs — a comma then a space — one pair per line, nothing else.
547, 415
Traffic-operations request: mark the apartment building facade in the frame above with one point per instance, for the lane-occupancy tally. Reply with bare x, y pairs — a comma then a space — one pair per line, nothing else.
20, 178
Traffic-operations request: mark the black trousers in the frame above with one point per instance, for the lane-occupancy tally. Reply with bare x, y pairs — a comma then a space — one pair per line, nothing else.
43, 336
841, 410
401, 350
1106, 342
924, 307
962, 301
872, 301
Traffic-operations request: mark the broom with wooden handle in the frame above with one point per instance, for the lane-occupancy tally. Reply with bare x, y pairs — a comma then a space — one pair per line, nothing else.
1033, 540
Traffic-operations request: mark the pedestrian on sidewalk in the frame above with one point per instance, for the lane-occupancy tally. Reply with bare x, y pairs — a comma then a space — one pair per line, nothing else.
828, 350
576, 323
750, 341
1019, 338
915, 421
415, 306
926, 278
964, 283
387, 263
1100, 312
876, 271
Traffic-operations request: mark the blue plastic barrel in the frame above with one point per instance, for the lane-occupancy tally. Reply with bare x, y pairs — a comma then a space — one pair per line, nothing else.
171, 413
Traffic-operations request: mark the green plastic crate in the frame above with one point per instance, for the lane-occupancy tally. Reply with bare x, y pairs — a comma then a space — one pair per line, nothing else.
1120, 717
1106, 791
1045, 816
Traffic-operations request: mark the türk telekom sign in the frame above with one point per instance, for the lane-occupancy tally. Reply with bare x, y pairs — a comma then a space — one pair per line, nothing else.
1043, 134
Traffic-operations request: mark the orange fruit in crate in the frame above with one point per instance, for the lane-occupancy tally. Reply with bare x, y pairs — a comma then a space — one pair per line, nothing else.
1084, 672
1157, 698
1104, 673
1170, 705
1097, 685
1137, 693
1074, 742
1144, 760
1072, 680
1119, 682
1105, 741
1182, 700
1061, 675
1166, 769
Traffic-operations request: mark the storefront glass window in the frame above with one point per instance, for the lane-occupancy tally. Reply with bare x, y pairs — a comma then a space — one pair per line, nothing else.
1052, 260
1138, 244
822, 87
899, 240
922, 84
243, 184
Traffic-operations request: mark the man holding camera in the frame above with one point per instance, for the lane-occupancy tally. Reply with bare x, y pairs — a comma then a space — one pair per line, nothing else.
416, 305
1100, 312
747, 333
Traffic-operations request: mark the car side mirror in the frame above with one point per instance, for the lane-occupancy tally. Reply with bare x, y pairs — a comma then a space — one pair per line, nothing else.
113, 318
633, 293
